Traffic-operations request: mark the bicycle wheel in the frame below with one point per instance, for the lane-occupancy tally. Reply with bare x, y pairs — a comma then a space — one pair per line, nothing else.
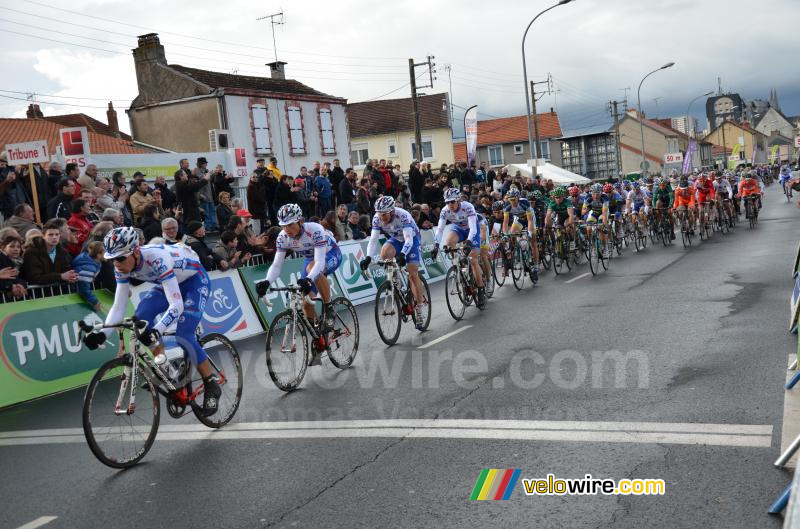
426, 306
565, 252
388, 313
287, 350
488, 279
601, 252
227, 366
558, 256
499, 270
544, 252
454, 295
518, 268
120, 439
343, 341
593, 256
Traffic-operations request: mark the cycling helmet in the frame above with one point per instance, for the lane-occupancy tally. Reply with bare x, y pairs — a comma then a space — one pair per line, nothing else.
537, 195
513, 192
608, 188
663, 181
597, 188
559, 192
120, 242
617, 185
452, 195
683, 182
574, 191
498, 205
289, 214
636, 184
384, 204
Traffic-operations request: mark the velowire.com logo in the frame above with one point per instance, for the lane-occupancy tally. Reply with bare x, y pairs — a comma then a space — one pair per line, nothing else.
495, 484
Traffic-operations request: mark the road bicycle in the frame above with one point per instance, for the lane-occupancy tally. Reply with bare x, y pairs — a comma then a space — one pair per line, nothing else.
638, 234
461, 289
560, 248
119, 428
751, 210
294, 342
705, 221
683, 220
395, 304
596, 249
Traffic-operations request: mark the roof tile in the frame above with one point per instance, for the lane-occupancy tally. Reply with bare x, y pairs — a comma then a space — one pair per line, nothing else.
393, 115
515, 129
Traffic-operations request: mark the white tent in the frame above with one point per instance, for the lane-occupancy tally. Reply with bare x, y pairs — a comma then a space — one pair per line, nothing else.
548, 171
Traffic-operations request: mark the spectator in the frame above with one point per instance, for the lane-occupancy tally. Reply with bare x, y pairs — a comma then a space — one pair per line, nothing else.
363, 203
150, 223
88, 197
46, 262
139, 199
269, 181
73, 172
8, 178
246, 241
301, 192
403, 195
195, 239
273, 166
415, 182
60, 206
352, 225
432, 193
171, 232
365, 224
88, 180
168, 198
286, 193
22, 220
186, 187
257, 197
224, 210
205, 194
30, 238
426, 219
322, 185
118, 186
87, 266
368, 169
10, 262
104, 197
158, 201
80, 225
260, 167
222, 181
337, 176
114, 216
226, 253
347, 192
342, 231
54, 174
329, 222
106, 276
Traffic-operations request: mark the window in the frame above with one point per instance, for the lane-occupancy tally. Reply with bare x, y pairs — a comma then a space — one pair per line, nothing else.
495, 155
393, 148
544, 149
360, 154
427, 148
297, 141
261, 129
518, 148
326, 130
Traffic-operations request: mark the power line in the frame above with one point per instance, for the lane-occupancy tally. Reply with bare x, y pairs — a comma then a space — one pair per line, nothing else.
52, 102
68, 97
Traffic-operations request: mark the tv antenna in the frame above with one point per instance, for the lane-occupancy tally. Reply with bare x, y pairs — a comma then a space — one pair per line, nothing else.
273, 22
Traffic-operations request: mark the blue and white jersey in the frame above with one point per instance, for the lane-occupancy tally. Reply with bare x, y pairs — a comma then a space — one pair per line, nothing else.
160, 263
312, 236
401, 220
459, 217
637, 199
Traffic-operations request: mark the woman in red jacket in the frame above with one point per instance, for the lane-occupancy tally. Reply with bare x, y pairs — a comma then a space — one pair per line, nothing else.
80, 225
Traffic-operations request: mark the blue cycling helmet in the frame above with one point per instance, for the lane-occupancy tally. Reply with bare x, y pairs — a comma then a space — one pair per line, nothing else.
452, 195
597, 188
513, 192
636, 184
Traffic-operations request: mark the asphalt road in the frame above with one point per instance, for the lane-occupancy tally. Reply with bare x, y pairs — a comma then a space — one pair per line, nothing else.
696, 400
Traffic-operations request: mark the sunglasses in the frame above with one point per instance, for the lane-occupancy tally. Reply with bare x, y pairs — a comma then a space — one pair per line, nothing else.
120, 259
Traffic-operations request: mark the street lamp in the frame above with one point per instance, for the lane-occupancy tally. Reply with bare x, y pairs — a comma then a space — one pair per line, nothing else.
639, 103
690, 106
534, 153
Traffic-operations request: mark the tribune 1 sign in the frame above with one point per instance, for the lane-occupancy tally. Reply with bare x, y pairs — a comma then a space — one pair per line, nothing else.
28, 152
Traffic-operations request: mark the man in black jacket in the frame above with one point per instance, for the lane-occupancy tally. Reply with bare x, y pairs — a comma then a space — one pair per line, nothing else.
60, 206
347, 191
195, 239
168, 198
186, 188
54, 175
415, 182
337, 177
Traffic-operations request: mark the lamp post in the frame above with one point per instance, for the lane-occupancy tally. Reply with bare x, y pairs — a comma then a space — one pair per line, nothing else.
639, 104
690, 106
534, 153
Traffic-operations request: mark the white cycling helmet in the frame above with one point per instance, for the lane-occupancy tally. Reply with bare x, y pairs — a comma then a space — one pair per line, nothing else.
384, 204
289, 214
513, 192
120, 242
452, 195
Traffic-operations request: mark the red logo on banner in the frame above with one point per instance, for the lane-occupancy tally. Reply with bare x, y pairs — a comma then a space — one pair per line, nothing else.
72, 142
240, 158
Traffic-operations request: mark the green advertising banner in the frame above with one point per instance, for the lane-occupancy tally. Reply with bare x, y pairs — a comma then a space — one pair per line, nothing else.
435, 270
290, 273
40, 349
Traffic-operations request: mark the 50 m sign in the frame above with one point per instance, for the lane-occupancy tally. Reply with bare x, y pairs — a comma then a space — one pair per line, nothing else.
673, 157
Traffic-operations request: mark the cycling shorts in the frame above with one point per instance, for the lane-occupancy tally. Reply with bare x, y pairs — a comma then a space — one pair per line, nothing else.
463, 232
333, 260
413, 255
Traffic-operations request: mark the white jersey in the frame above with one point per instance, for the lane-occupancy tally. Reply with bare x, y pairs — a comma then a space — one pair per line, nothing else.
313, 242
465, 217
636, 198
722, 185
401, 228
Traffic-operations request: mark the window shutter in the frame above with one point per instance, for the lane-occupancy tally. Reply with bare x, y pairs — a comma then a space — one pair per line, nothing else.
261, 128
326, 128
296, 130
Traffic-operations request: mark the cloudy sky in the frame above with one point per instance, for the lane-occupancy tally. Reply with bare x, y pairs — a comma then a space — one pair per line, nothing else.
74, 56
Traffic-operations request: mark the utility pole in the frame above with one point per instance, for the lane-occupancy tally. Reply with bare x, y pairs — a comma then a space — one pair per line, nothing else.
450, 109
617, 153
274, 23
534, 99
415, 99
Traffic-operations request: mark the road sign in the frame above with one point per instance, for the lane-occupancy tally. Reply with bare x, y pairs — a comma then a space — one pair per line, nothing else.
28, 152
673, 157
645, 165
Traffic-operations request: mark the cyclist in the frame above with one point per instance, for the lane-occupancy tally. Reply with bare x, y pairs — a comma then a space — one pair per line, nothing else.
662, 202
463, 221
483, 226
562, 210
519, 215
577, 197
684, 200
786, 175
723, 193
402, 242
180, 294
322, 257
748, 187
615, 204
705, 194
637, 204
595, 208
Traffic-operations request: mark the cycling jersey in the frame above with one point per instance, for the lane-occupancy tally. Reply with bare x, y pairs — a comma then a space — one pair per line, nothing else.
723, 188
463, 221
520, 211
596, 207
705, 190
402, 233
664, 196
748, 187
615, 203
561, 210
684, 196
637, 200
313, 243
180, 294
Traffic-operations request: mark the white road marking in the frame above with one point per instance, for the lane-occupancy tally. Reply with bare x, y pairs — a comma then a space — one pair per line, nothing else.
745, 435
576, 278
445, 337
38, 522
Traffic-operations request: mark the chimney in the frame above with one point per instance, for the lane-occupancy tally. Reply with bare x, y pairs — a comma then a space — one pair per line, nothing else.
276, 69
111, 114
146, 57
34, 111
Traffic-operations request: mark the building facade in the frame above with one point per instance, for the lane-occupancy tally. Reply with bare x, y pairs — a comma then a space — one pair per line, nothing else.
504, 141
591, 154
722, 107
742, 143
191, 110
658, 141
385, 130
